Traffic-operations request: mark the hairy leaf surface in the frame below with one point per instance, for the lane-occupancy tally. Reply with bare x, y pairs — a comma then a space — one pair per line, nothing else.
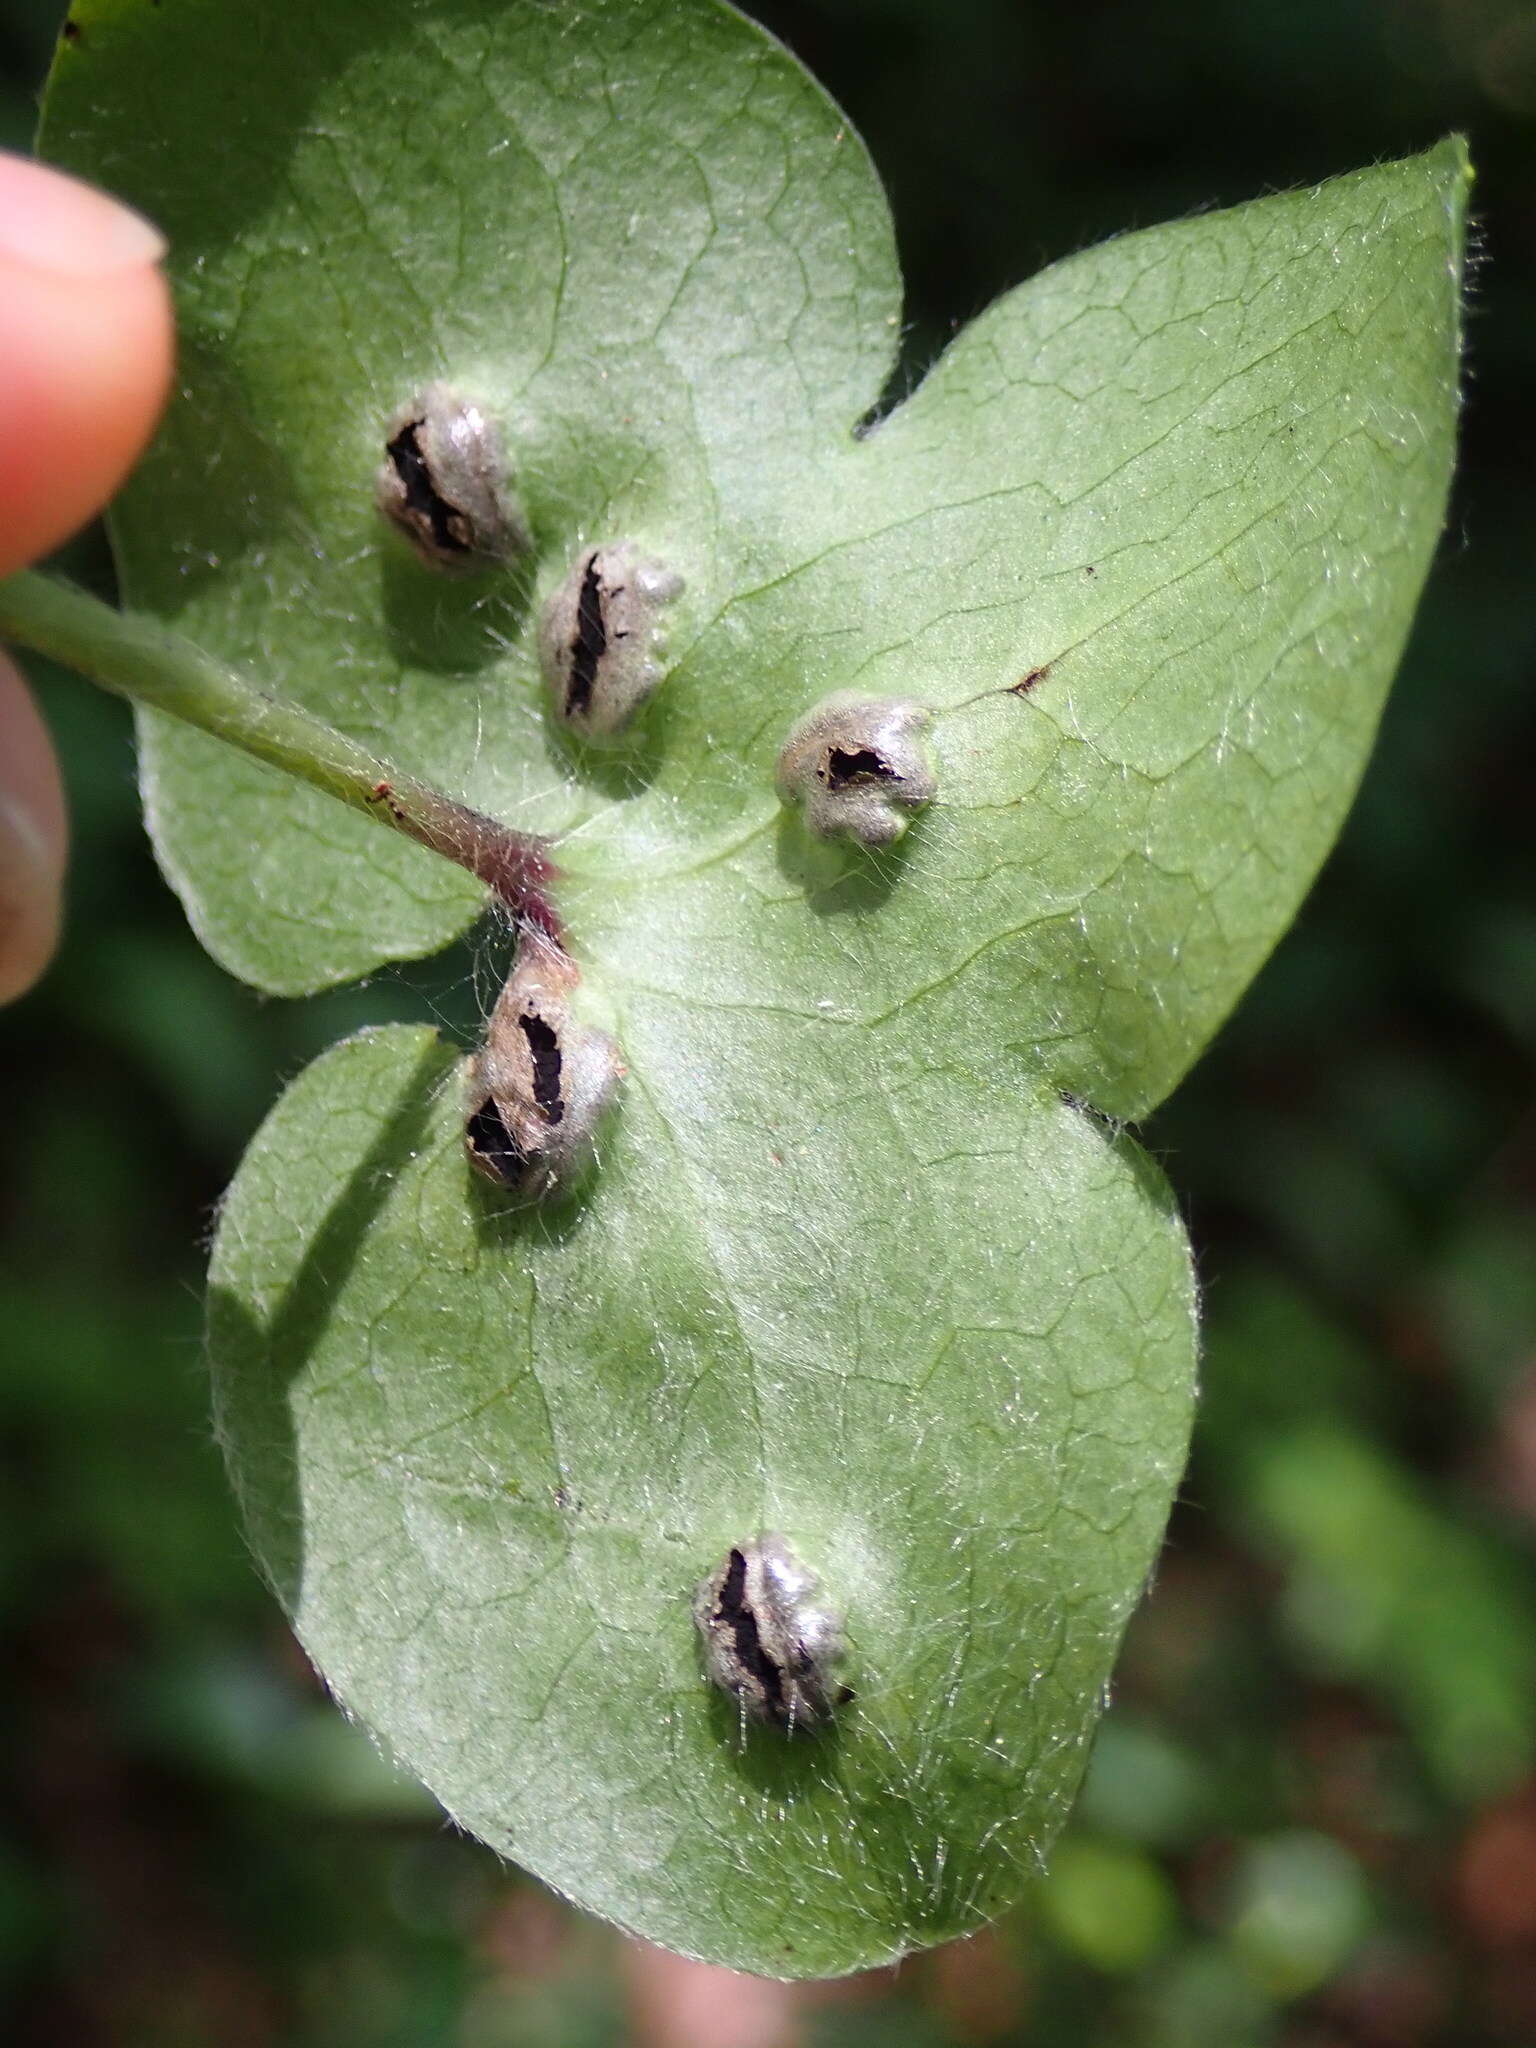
865, 1259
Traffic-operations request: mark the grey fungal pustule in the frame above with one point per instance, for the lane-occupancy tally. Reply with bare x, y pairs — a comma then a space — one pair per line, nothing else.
858, 767
443, 483
767, 1642
541, 1082
602, 644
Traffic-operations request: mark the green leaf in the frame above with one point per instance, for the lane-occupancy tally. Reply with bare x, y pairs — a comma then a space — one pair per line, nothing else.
487, 1456
636, 232
854, 1264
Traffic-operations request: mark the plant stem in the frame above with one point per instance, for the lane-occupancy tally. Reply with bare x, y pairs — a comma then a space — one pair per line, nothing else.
149, 665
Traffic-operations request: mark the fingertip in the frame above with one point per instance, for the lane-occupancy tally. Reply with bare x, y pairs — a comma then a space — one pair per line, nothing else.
55, 222
85, 364
683, 2004
33, 839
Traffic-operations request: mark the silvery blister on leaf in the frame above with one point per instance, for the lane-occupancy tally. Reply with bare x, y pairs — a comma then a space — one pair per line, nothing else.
857, 767
601, 643
542, 1081
766, 1641
443, 484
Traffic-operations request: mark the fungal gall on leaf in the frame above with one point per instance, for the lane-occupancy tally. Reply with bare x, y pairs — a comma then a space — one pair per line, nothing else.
601, 643
542, 1080
443, 484
766, 1641
857, 767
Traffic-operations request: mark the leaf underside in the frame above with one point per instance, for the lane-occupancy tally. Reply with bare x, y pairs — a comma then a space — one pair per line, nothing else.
864, 1259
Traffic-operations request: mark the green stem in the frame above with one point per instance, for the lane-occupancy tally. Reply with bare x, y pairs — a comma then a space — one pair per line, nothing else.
149, 665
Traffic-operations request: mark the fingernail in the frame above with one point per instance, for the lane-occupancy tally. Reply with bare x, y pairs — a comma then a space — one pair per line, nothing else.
55, 223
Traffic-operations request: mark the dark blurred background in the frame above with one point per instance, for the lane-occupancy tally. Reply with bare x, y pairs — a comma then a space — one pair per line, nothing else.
1311, 1815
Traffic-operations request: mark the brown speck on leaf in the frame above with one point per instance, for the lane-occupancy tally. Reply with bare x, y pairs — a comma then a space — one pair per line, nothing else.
1025, 684
1089, 569
71, 32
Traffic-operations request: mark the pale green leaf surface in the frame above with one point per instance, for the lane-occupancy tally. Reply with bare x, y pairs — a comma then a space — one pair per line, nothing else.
1147, 539
1195, 475
636, 231
486, 1457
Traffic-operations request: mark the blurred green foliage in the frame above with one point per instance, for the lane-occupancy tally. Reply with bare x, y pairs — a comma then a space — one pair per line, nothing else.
1311, 1817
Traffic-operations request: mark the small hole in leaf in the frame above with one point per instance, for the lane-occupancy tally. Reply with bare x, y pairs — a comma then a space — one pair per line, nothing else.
422, 498
736, 1612
591, 642
493, 1144
544, 1052
857, 764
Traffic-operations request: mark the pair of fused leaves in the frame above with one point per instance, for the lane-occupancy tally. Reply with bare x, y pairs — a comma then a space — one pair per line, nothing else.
854, 1265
